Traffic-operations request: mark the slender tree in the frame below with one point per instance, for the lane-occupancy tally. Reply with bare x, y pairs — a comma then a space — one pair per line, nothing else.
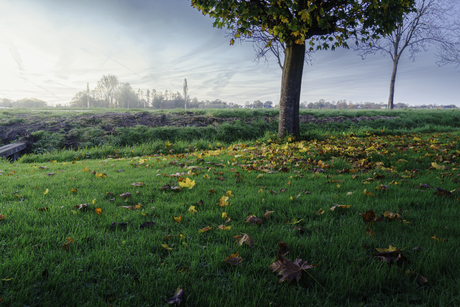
107, 86
430, 24
185, 93
320, 23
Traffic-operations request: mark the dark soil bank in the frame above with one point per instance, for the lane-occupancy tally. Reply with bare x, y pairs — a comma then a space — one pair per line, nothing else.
23, 128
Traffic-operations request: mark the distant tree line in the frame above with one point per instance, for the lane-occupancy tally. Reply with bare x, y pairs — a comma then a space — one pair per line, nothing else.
110, 93
22, 103
343, 104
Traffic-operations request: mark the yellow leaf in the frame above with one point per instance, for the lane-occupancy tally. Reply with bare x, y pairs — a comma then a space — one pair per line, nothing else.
192, 209
207, 228
206, 176
73, 190
181, 236
94, 201
389, 249
100, 175
98, 211
368, 193
177, 219
340, 206
46, 192
165, 246
224, 215
188, 183
320, 211
86, 169
229, 194
2, 216
417, 139
222, 227
223, 201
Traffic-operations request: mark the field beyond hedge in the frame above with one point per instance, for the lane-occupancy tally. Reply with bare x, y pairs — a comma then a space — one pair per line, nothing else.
363, 216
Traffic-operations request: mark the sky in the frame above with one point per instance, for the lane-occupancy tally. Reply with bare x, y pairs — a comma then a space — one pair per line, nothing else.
51, 49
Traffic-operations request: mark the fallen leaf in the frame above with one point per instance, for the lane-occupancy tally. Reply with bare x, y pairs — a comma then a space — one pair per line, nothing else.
252, 219
43, 209
223, 227
100, 175
46, 192
165, 246
125, 195
187, 184
320, 211
177, 219
289, 270
370, 217
2, 216
229, 194
369, 232
178, 298
283, 249
81, 206
207, 228
66, 245
267, 214
392, 216
138, 184
192, 209
233, 259
244, 238
340, 206
98, 211
223, 201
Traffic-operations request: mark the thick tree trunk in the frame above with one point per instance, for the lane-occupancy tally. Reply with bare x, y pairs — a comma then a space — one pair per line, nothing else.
392, 83
291, 84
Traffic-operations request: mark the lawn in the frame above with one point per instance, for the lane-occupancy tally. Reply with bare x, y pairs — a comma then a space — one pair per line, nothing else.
346, 219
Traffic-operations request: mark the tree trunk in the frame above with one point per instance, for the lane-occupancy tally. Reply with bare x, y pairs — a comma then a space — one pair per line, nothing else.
291, 83
392, 83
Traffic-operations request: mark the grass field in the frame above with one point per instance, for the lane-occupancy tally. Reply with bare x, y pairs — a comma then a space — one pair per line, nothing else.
373, 212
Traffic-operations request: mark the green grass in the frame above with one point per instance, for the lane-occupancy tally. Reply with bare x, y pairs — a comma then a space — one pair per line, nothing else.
128, 266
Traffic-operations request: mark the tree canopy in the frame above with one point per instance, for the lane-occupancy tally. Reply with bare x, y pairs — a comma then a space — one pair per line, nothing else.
317, 23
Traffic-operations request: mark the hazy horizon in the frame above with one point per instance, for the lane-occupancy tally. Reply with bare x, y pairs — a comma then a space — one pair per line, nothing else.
50, 49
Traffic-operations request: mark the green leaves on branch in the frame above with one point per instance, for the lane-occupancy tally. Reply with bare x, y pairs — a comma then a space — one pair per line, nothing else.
301, 20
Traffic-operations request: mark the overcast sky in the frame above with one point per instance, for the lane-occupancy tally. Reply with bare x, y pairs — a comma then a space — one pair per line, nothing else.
50, 49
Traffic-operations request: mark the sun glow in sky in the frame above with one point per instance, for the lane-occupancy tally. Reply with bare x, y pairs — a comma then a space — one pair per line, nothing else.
50, 49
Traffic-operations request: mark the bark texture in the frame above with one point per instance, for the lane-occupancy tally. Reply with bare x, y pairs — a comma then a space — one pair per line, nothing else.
392, 82
291, 82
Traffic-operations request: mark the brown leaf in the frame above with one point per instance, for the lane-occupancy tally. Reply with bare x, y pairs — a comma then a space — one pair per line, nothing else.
244, 238
267, 214
252, 219
43, 209
289, 270
283, 249
390, 255
370, 217
178, 298
233, 259
300, 229
125, 195
81, 206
